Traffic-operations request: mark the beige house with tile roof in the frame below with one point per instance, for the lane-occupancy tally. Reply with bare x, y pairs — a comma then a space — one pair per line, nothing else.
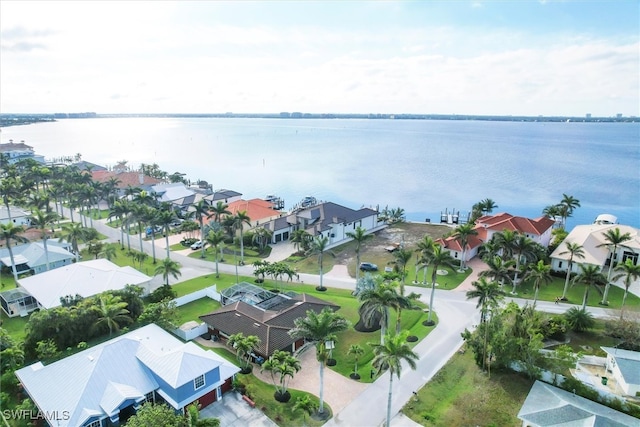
590, 237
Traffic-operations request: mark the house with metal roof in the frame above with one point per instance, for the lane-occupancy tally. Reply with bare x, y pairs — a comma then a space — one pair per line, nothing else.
549, 406
18, 216
32, 258
106, 384
251, 310
594, 245
325, 219
624, 365
87, 278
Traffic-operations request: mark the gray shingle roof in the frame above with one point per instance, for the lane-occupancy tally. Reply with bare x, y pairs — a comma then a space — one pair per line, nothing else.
628, 362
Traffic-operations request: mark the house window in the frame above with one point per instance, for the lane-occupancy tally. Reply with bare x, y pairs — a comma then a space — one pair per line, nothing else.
96, 423
559, 264
198, 382
630, 255
149, 397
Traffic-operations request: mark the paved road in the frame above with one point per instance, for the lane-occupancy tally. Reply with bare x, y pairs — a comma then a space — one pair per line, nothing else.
368, 409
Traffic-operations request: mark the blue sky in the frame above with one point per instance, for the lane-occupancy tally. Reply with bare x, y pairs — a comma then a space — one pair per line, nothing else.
514, 57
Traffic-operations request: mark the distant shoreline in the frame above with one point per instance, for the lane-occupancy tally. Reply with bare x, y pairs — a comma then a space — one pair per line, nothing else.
7, 119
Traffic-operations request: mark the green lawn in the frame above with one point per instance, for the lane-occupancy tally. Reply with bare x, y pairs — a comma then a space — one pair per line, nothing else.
461, 395
194, 309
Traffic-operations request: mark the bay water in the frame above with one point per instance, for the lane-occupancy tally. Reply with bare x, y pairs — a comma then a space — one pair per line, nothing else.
422, 166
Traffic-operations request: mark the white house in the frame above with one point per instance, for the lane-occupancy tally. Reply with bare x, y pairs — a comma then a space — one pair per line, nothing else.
549, 406
325, 219
85, 278
19, 151
31, 257
591, 238
625, 367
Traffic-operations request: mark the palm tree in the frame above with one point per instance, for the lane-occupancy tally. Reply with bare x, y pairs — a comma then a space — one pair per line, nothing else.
215, 240
359, 235
282, 365
167, 268
73, 232
375, 305
462, 234
505, 240
487, 206
200, 210
219, 211
261, 238
590, 275
318, 247
112, 311
120, 209
489, 295
306, 405
164, 219
630, 272
613, 240
300, 239
424, 248
401, 258
42, 220
439, 256
390, 355
11, 232
540, 273
319, 327
523, 247
499, 269
567, 206
239, 219
244, 345
575, 250
108, 252
357, 351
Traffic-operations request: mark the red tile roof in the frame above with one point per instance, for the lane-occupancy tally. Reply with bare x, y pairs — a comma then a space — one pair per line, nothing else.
126, 178
257, 209
506, 221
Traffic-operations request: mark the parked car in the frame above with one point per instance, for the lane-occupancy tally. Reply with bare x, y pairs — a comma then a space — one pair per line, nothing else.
367, 266
197, 245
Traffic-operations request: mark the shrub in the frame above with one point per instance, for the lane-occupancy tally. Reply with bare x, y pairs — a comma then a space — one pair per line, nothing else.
579, 319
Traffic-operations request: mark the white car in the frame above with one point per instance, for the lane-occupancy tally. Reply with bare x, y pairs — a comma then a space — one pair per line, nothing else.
197, 245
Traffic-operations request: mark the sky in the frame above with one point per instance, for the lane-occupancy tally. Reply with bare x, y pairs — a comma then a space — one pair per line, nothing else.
511, 57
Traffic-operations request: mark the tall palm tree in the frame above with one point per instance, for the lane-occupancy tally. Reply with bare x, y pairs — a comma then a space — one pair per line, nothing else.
390, 355
74, 232
462, 234
282, 365
200, 211
165, 218
438, 257
239, 220
42, 220
567, 205
167, 268
10, 232
375, 304
119, 210
575, 250
487, 206
112, 311
318, 247
523, 248
359, 235
614, 239
539, 274
489, 294
401, 258
424, 249
320, 327
215, 240
630, 272
357, 351
590, 275
505, 240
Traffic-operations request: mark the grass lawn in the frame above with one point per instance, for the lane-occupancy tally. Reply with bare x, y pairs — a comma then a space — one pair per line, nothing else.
281, 413
15, 326
575, 294
194, 309
461, 395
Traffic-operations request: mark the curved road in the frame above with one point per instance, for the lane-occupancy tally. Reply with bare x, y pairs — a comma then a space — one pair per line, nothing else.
455, 314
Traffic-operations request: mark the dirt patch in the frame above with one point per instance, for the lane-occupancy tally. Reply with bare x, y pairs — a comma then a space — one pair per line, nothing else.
406, 233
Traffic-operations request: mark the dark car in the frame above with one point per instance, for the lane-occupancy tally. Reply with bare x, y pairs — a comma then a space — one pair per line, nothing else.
367, 266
